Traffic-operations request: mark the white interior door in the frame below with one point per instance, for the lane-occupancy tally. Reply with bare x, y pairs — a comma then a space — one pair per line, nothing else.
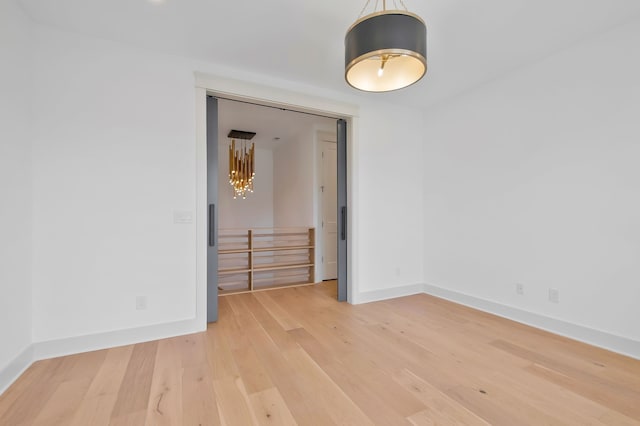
329, 211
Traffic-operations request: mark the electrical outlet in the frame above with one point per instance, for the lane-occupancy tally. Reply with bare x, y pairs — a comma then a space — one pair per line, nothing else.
520, 289
398, 271
554, 295
141, 303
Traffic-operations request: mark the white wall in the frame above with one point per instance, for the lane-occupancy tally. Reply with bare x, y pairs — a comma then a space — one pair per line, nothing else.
15, 183
293, 181
390, 208
535, 179
114, 156
256, 211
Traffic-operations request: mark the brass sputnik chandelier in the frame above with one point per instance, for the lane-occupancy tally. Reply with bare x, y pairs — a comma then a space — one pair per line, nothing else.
242, 162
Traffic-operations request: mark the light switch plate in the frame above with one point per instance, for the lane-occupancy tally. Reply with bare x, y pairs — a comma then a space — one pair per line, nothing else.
182, 217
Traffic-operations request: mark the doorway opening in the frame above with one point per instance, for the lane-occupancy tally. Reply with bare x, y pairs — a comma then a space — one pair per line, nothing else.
292, 229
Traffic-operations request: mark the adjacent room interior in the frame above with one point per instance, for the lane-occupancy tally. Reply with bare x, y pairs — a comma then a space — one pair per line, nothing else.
282, 231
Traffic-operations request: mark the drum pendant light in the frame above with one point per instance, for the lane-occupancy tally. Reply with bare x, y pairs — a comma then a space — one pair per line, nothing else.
385, 50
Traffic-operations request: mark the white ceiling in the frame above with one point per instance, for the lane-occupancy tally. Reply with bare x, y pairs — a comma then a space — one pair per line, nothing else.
267, 123
470, 42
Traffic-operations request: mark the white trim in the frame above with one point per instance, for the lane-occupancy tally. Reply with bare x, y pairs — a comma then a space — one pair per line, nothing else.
621, 345
79, 344
388, 293
317, 205
92, 342
353, 228
15, 368
266, 95
201, 207
112, 339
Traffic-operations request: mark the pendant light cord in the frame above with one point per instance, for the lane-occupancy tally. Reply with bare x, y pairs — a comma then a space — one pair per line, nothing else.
384, 6
404, 6
364, 8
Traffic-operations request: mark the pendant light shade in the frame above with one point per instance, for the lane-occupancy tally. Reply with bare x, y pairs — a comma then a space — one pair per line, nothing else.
386, 51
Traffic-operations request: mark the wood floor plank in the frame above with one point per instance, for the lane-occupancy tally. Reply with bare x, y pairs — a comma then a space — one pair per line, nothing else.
296, 356
97, 404
165, 395
300, 402
611, 417
95, 411
25, 401
219, 355
592, 386
286, 321
622, 402
317, 385
441, 409
554, 400
15, 406
133, 396
439, 417
235, 407
358, 387
136, 418
63, 404
373, 375
192, 350
271, 409
84, 365
240, 330
198, 398
369, 400
268, 323
218, 343
108, 379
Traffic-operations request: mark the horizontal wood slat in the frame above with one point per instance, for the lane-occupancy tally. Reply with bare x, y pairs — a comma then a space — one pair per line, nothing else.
272, 253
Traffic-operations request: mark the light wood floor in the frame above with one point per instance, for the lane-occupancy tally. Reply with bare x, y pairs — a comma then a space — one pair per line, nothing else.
297, 356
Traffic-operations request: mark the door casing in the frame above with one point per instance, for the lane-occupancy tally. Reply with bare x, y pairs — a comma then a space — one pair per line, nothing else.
207, 84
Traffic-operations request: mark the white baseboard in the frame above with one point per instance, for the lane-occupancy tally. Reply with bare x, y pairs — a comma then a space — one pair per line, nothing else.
15, 368
112, 339
93, 342
79, 344
387, 293
621, 345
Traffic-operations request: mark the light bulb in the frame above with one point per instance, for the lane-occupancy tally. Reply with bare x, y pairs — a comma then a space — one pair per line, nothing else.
383, 62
